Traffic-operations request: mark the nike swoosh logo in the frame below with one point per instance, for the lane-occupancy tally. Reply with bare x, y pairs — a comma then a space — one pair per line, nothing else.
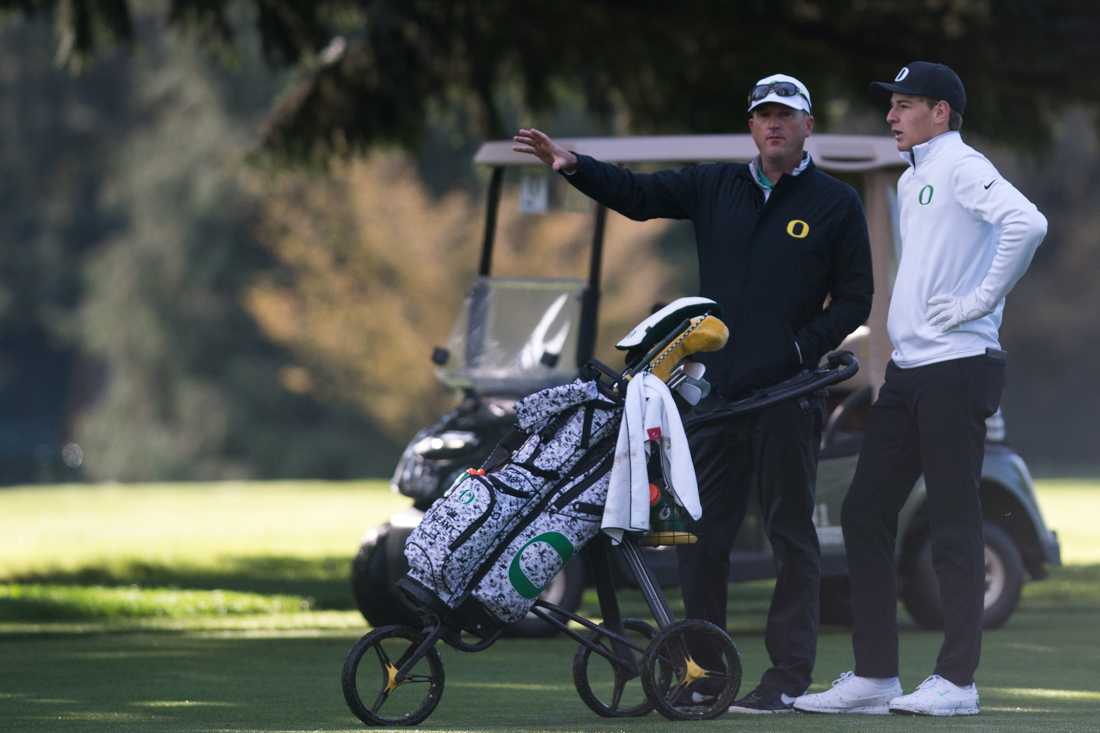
990, 184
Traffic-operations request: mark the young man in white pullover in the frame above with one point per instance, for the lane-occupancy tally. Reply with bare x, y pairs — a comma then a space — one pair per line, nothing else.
967, 236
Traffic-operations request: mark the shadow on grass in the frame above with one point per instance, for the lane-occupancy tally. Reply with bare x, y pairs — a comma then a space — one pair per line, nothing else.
278, 583
324, 582
747, 606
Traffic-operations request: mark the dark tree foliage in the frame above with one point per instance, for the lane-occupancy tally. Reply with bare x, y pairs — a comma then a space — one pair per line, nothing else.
129, 251
93, 295
52, 215
370, 71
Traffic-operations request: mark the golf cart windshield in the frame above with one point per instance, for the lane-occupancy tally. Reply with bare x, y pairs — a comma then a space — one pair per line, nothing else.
515, 336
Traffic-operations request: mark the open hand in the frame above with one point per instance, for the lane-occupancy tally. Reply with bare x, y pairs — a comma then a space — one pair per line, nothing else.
950, 311
537, 143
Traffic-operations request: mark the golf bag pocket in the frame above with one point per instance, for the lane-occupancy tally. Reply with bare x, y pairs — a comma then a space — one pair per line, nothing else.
538, 553
465, 524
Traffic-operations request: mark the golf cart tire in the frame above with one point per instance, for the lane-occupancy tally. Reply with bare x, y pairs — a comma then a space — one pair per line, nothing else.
920, 592
564, 591
373, 579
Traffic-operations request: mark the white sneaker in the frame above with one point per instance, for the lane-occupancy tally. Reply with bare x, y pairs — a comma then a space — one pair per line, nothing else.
937, 696
852, 694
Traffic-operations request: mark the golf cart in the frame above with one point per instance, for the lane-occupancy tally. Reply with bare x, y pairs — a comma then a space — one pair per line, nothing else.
516, 335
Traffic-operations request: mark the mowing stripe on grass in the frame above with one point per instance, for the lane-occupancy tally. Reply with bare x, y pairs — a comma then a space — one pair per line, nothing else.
70, 603
1041, 693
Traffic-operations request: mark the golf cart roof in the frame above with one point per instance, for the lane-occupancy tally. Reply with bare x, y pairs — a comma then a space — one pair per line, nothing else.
830, 152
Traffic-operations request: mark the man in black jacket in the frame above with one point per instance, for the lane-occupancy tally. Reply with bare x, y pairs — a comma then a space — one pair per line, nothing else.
783, 248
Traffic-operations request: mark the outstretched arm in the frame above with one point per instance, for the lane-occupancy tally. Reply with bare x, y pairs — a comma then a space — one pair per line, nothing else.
639, 196
539, 144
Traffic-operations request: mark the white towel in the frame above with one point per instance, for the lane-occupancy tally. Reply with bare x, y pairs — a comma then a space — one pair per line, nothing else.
649, 414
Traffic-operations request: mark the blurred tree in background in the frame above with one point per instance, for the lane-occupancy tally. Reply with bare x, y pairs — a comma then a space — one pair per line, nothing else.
54, 148
378, 267
371, 71
178, 312
125, 274
201, 390
1050, 328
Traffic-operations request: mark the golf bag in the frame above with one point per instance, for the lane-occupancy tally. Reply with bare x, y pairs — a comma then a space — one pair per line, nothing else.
487, 547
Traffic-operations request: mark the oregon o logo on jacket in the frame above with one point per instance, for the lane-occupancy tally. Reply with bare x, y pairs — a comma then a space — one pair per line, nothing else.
798, 228
558, 542
924, 196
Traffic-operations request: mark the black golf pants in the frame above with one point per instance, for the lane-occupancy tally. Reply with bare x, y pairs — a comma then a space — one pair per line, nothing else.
770, 454
928, 419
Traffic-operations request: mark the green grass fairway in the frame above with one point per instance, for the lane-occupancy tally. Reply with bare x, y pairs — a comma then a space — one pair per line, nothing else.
225, 608
259, 539
75, 526
1070, 508
1038, 674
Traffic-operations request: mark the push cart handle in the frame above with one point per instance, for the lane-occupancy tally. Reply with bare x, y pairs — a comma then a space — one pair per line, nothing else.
845, 362
839, 365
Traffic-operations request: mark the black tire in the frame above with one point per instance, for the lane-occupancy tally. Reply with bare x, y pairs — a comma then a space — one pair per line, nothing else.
565, 590
667, 670
389, 647
1004, 579
836, 601
618, 676
377, 566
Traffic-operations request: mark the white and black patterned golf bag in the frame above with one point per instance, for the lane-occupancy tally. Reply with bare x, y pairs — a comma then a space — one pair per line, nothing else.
487, 547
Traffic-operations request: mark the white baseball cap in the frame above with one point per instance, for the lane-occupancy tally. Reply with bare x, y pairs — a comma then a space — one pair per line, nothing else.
781, 89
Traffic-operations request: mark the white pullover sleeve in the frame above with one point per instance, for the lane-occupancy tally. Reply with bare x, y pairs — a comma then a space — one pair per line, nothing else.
979, 188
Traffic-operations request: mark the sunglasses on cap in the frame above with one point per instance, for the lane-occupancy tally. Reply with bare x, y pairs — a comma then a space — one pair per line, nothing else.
779, 88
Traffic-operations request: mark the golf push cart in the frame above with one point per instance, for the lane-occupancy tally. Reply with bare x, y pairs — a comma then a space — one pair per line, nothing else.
486, 548
514, 336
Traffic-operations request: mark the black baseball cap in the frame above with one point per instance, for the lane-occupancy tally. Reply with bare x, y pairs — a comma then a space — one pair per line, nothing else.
926, 79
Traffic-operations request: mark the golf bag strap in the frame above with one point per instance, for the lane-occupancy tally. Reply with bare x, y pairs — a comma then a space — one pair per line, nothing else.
586, 426
503, 451
534, 470
550, 430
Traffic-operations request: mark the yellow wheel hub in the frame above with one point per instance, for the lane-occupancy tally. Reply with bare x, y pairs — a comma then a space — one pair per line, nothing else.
692, 671
391, 678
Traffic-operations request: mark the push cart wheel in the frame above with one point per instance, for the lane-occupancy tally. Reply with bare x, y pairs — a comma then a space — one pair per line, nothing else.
371, 668
613, 689
716, 679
